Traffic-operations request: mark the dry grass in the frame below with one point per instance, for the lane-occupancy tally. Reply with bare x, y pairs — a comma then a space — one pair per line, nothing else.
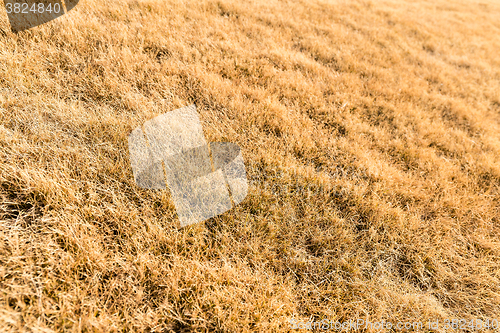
389, 110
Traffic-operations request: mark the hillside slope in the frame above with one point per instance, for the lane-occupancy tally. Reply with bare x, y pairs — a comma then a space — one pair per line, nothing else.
370, 132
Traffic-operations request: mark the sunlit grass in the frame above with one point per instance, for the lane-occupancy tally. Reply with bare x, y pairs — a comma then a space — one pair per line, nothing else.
370, 131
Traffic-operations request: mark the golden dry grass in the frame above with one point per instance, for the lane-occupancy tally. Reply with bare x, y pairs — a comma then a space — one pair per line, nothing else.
370, 131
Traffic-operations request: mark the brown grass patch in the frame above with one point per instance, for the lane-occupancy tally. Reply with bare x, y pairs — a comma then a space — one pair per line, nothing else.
370, 132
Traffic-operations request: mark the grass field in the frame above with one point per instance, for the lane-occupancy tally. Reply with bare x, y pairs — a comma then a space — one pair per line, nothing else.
370, 132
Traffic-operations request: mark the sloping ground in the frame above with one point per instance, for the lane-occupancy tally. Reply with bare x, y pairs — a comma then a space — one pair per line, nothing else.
370, 132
